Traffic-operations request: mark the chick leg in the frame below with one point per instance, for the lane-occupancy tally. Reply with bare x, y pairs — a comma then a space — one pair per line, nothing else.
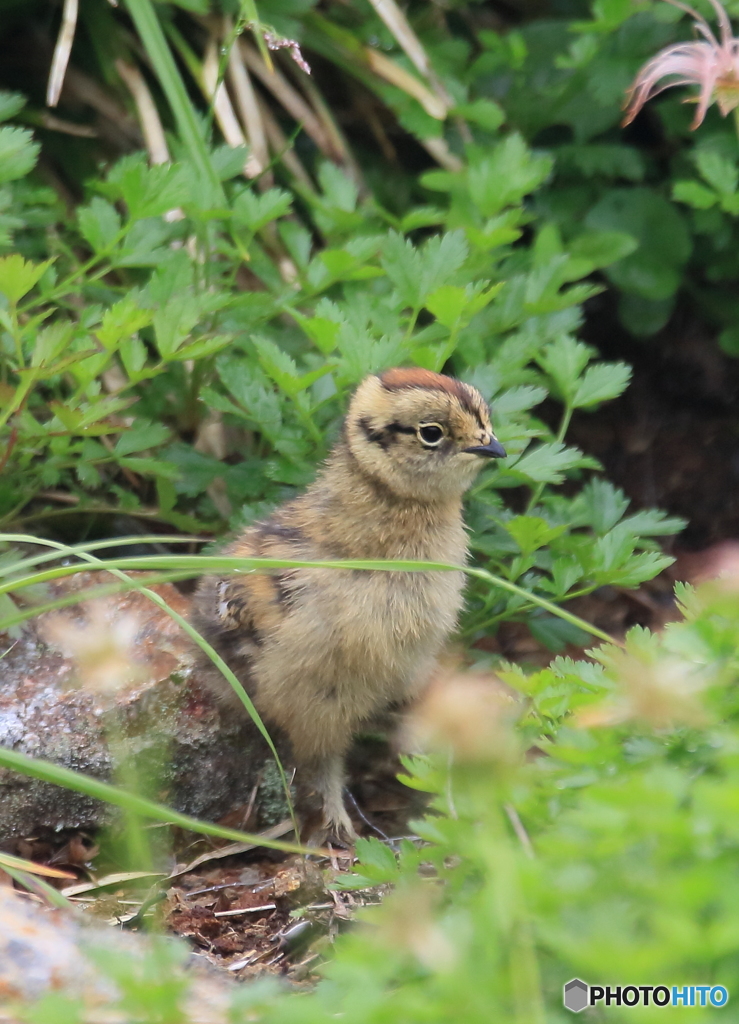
325, 777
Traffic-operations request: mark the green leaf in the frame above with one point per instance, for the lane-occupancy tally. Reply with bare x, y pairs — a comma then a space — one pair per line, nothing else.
253, 210
338, 188
531, 532
653, 270
174, 322
418, 272
600, 383
142, 435
692, 193
133, 354
11, 103
644, 317
18, 276
148, 191
720, 173
50, 342
517, 399
555, 633
120, 321
203, 347
644, 565
376, 860
99, 224
547, 463
321, 331
18, 153
563, 360
447, 304
421, 217
602, 505
601, 248
650, 522
150, 467
506, 176
486, 113
282, 369
728, 339
246, 383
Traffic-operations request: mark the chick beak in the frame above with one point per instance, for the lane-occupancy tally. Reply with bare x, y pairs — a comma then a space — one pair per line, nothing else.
492, 450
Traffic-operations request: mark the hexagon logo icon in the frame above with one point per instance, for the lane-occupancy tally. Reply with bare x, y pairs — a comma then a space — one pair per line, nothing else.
575, 995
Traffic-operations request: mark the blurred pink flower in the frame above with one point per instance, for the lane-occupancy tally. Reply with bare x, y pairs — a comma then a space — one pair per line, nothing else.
707, 63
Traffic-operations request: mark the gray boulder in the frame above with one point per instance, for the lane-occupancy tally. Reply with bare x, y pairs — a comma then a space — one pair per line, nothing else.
114, 680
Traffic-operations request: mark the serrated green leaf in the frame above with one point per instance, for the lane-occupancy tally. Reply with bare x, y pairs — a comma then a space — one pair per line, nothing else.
642, 566
99, 223
322, 332
18, 153
603, 505
505, 176
563, 360
254, 211
547, 463
142, 435
555, 633
447, 304
518, 399
600, 383
245, 383
18, 276
203, 347
532, 532
650, 522
338, 188
148, 191
133, 354
174, 322
376, 859
120, 321
50, 342
11, 103
418, 272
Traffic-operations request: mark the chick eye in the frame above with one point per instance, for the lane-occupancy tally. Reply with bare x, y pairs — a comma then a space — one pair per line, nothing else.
430, 434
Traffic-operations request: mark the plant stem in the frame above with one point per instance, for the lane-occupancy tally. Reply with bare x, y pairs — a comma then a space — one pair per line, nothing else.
564, 424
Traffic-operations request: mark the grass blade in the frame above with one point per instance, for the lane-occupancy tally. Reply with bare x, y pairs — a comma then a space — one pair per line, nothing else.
150, 32
45, 771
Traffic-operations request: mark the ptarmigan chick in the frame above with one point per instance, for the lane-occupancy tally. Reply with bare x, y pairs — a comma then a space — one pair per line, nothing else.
322, 651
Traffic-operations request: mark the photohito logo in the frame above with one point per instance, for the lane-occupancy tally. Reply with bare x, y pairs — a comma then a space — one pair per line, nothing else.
577, 995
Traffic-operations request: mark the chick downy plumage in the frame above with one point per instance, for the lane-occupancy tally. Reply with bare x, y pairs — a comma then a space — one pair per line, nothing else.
322, 651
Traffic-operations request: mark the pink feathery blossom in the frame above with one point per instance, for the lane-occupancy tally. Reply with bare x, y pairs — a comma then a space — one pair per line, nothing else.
707, 63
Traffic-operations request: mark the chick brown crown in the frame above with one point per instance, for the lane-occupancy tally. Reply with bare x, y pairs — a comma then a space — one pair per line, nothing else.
412, 430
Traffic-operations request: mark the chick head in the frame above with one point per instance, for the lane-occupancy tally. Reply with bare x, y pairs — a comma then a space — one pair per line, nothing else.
421, 434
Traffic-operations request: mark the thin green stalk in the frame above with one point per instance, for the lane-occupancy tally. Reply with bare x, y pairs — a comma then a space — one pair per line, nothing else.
199, 564
35, 884
93, 594
563, 426
96, 545
85, 784
17, 335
